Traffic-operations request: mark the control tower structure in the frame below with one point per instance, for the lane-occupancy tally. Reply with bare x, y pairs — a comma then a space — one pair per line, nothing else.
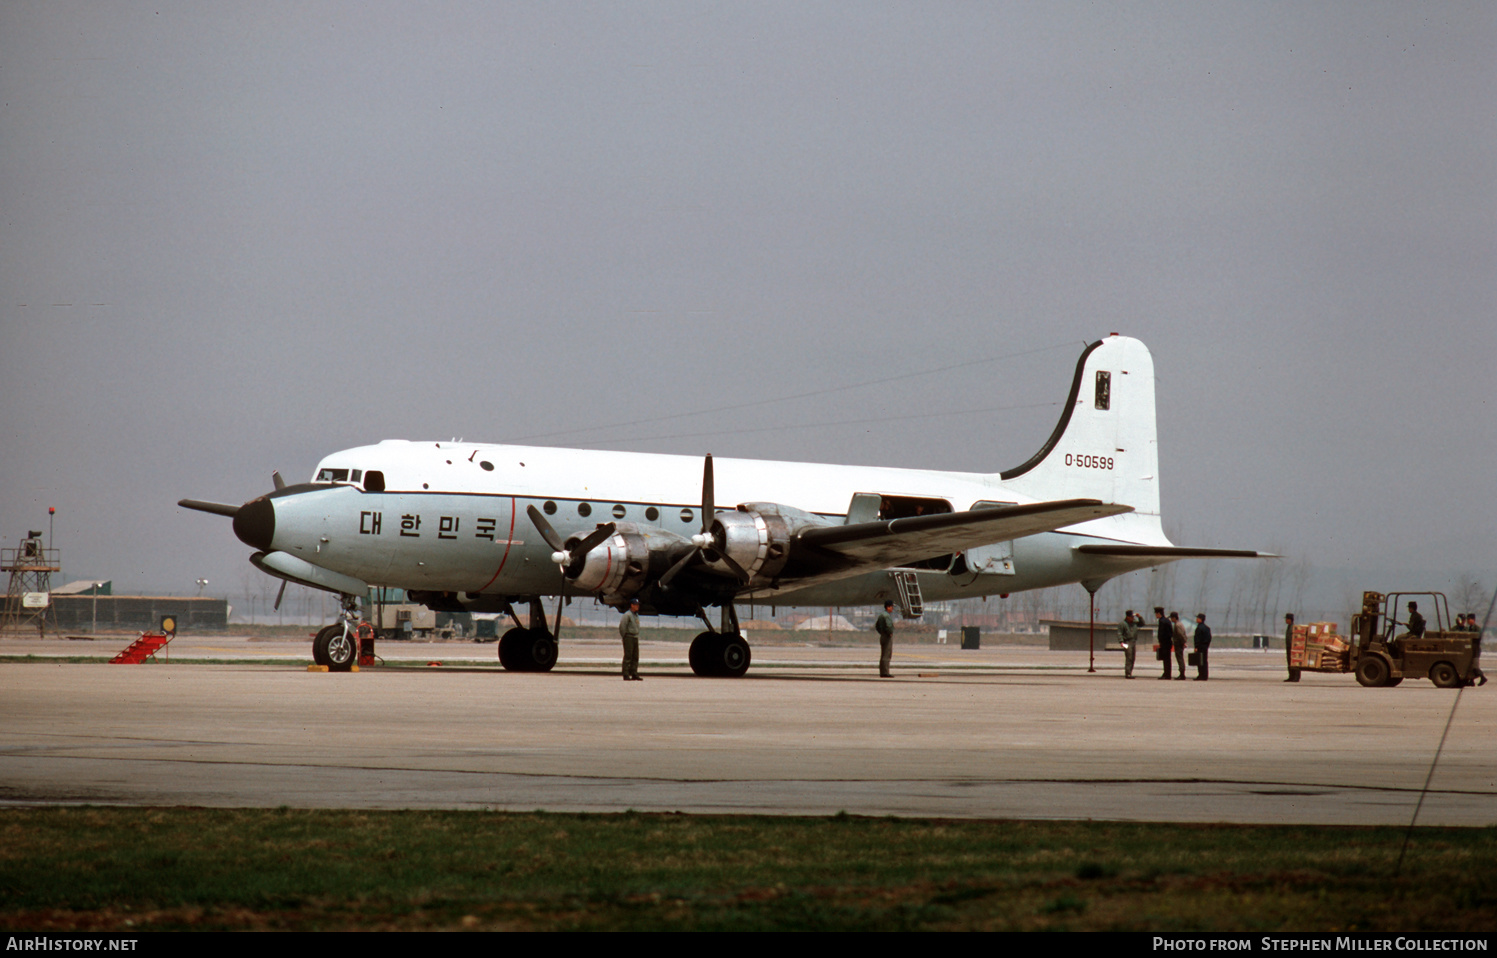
28, 597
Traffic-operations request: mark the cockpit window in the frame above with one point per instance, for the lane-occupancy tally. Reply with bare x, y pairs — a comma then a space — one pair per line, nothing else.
332, 475
374, 481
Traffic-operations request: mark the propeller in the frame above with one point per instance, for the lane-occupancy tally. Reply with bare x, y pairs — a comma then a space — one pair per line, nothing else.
223, 508
217, 508
706, 545
571, 558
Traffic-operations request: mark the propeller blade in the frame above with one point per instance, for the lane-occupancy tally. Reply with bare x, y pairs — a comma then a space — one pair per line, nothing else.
704, 540
279, 596
217, 508
717, 555
680, 566
708, 502
549, 534
604, 530
275, 477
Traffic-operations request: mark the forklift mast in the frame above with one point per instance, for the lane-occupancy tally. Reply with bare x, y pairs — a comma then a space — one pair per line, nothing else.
1366, 624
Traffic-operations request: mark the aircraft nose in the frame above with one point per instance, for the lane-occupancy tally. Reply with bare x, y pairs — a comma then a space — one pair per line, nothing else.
254, 523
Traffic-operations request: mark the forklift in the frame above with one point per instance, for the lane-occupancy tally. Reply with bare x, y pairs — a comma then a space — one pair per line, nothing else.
1385, 656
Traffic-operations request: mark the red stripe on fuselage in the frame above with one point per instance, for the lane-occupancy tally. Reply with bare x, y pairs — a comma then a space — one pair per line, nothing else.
508, 545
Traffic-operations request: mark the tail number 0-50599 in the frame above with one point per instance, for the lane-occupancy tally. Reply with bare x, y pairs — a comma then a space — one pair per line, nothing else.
1089, 462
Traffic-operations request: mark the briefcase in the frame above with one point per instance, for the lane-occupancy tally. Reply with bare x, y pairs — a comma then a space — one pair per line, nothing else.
1193, 658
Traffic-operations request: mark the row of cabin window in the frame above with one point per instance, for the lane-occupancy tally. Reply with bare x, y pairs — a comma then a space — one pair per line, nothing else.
585, 509
374, 481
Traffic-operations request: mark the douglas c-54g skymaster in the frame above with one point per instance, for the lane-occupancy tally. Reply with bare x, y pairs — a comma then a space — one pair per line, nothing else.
479, 528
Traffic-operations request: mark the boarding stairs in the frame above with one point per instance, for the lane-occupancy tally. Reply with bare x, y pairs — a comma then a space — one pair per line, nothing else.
142, 648
907, 586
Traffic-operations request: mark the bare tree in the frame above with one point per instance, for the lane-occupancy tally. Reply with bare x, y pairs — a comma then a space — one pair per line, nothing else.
1470, 596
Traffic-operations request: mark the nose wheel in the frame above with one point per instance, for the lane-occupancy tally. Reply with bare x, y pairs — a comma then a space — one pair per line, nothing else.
334, 647
337, 645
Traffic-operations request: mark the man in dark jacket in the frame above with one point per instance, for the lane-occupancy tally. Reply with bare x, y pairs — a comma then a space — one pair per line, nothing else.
885, 629
1289, 647
1166, 639
1203, 645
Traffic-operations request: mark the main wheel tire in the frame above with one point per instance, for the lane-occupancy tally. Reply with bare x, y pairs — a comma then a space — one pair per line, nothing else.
733, 657
1372, 672
1444, 675
335, 648
510, 656
703, 654
540, 651
319, 643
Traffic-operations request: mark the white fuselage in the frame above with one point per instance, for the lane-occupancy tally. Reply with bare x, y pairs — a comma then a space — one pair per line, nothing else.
452, 517
452, 520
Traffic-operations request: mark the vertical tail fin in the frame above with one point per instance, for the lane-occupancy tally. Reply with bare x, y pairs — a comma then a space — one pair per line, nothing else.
1105, 445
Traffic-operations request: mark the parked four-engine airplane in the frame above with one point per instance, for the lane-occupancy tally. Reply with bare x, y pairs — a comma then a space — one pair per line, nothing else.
472, 527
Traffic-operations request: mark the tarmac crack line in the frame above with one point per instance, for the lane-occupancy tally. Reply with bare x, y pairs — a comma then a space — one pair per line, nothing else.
970, 783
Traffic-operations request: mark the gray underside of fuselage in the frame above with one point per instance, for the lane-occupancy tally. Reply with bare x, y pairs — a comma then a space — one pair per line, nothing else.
1039, 562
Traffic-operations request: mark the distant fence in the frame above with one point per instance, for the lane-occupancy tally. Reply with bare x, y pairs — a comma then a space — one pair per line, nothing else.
135, 613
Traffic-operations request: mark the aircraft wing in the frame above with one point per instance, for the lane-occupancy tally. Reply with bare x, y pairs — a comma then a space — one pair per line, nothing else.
1121, 550
893, 542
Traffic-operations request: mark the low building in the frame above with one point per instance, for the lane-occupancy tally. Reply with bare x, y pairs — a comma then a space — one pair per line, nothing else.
138, 613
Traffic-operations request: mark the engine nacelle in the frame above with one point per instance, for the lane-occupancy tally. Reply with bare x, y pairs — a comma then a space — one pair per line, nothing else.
757, 536
624, 563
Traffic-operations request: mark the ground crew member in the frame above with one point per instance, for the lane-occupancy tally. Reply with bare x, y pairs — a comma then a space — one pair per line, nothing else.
1478, 677
885, 629
1289, 647
1166, 638
629, 632
1128, 639
1203, 645
1179, 628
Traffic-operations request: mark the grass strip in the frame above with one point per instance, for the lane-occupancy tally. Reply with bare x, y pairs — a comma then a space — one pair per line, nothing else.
97, 868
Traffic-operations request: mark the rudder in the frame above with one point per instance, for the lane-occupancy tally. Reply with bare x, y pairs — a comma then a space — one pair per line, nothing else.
1106, 443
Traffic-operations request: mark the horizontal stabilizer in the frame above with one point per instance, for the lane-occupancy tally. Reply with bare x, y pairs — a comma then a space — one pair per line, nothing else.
893, 542
217, 508
1170, 552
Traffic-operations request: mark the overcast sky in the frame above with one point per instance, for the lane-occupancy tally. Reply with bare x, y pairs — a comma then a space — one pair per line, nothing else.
239, 236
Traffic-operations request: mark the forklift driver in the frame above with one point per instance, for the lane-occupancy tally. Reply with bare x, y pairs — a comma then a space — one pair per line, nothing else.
1416, 622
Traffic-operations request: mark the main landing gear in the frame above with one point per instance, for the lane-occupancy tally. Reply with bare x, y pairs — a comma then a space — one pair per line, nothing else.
723, 654
527, 650
530, 648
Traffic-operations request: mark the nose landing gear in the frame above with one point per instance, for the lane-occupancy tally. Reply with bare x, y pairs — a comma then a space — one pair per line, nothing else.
336, 646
